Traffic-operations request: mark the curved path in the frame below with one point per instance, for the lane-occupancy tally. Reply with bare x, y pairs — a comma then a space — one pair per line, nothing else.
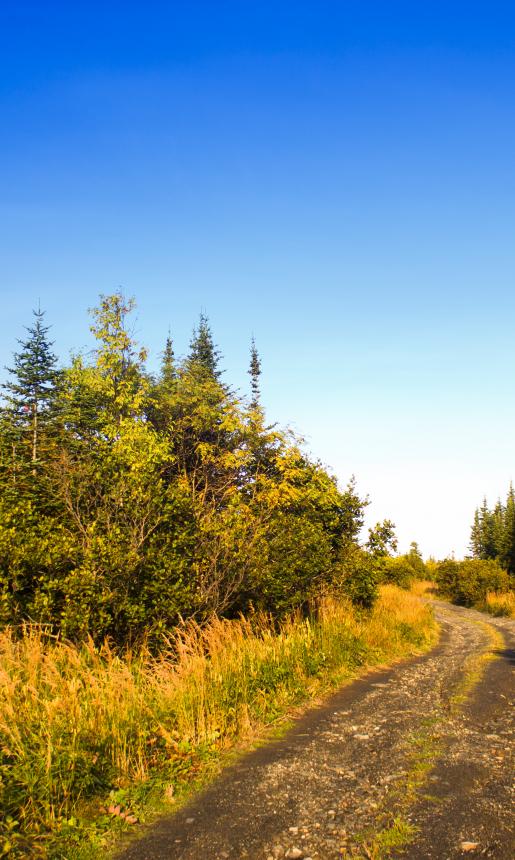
406, 761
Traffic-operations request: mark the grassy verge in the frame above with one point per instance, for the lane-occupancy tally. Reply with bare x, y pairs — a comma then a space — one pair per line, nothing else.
92, 742
500, 603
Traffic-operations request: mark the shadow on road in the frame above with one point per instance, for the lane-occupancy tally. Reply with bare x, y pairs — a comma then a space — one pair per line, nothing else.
507, 654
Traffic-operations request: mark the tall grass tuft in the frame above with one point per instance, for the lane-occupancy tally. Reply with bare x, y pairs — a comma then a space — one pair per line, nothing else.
76, 722
500, 603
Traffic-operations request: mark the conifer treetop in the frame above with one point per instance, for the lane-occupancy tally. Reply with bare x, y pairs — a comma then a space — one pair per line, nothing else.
168, 369
203, 352
255, 373
34, 374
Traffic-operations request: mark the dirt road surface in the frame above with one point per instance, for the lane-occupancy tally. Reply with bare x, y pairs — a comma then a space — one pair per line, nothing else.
413, 761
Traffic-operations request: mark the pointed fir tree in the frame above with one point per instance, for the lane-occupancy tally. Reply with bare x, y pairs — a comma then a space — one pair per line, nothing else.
203, 353
160, 402
31, 393
476, 544
255, 373
486, 520
498, 519
507, 548
168, 369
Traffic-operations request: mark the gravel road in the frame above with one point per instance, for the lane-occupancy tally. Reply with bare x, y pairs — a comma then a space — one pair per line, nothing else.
396, 752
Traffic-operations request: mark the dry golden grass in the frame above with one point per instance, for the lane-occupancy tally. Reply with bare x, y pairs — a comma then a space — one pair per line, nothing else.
77, 721
500, 603
423, 588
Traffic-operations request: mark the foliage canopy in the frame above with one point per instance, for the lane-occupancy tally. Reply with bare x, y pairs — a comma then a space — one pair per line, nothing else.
147, 499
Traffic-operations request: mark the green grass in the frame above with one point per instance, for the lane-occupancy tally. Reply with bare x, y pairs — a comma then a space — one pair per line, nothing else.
399, 833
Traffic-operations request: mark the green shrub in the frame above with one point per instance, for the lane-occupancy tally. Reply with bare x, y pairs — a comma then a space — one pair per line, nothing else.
467, 582
359, 577
398, 571
298, 560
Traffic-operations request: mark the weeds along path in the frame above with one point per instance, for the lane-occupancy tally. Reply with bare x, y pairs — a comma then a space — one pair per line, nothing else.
411, 761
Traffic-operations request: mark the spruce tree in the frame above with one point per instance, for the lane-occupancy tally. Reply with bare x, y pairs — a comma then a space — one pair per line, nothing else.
507, 549
203, 353
488, 548
160, 402
493, 532
31, 393
255, 373
168, 369
476, 536
498, 519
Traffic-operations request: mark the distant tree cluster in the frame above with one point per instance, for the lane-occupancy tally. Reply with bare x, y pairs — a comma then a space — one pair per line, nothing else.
130, 500
493, 532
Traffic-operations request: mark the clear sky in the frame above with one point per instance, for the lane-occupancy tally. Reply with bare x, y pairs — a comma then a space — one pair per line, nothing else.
337, 178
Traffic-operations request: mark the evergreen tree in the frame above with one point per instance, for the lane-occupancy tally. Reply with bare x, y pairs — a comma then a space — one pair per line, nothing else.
507, 544
203, 353
255, 373
168, 368
160, 405
482, 536
498, 527
476, 542
31, 393
489, 548
493, 532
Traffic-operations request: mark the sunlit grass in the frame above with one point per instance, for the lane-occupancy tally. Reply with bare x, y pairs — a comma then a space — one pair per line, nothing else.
500, 603
423, 588
79, 722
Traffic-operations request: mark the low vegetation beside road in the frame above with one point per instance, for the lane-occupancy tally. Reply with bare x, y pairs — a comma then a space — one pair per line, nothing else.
94, 739
479, 583
500, 603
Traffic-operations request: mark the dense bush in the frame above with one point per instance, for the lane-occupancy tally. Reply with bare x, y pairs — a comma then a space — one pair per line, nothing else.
468, 582
359, 577
398, 571
403, 570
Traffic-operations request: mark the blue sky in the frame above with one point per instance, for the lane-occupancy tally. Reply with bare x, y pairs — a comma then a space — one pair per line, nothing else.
337, 178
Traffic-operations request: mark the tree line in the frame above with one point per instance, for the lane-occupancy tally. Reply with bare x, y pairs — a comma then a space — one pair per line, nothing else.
493, 532
483, 578
131, 500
